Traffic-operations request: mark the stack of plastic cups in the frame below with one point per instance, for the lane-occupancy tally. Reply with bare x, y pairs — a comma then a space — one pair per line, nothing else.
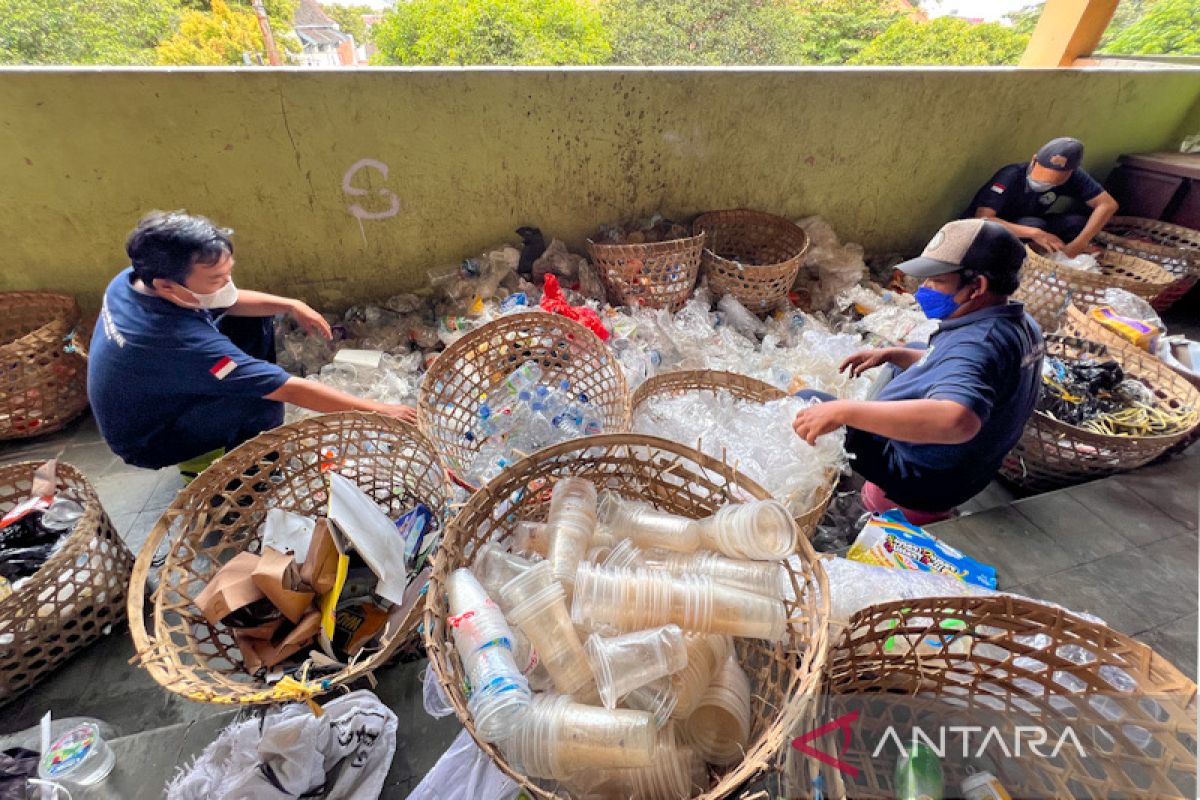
705, 653
494, 568
624, 555
499, 693
531, 539
539, 609
677, 772
657, 698
560, 737
762, 577
572, 521
760, 530
631, 600
624, 663
646, 526
719, 728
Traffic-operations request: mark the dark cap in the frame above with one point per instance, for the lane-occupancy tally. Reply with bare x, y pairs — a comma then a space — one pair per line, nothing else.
975, 244
1063, 153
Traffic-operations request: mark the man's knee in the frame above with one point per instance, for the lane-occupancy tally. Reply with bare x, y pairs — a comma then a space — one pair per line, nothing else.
1032, 222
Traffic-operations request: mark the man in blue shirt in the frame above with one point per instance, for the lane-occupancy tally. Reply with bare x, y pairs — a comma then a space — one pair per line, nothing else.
937, 433
1020, 197
180, 363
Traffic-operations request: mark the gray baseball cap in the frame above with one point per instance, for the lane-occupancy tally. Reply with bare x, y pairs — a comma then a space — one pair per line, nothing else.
1063, 154
976, 244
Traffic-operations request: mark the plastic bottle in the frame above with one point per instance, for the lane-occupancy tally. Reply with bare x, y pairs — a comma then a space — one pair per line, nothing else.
919, 775
759, 530
719, 728
646, 526
538, 608
627, 662
572, 521
705, 653
499, 693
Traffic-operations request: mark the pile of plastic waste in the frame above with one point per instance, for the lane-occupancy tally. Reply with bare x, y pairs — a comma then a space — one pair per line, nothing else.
33, 530
655, 228
599, 649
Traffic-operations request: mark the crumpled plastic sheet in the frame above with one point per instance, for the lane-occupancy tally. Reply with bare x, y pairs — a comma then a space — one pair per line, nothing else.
755, 438
899, 325
1128, 304
1084, 262
830, 267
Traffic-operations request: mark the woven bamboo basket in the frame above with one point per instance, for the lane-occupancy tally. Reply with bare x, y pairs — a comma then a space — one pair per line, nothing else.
1047, 288
44, 382
220, 515
751, 255
674, 478
1012, 667
656, 274
74, 599
1173, 247
741, 387
453, 388
1052, 454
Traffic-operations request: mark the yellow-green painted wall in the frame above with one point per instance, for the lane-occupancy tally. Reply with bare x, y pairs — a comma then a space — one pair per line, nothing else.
885, 155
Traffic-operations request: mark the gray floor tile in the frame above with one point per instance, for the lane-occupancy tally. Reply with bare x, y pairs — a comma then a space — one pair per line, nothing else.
1126, 512
1071, 525
1176, 641
1177, 496
93, 460
1018, 550
1082, 589
126, 492
168, 486
1158, 580
137, 533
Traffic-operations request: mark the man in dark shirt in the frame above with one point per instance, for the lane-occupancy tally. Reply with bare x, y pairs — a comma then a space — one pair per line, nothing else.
938, 431
1020, 197
180, 363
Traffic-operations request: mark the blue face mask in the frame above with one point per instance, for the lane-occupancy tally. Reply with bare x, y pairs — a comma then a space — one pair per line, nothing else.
935, 304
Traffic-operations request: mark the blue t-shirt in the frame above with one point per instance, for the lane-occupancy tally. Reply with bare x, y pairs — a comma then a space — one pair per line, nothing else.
1008, 194
151, 362
989, 361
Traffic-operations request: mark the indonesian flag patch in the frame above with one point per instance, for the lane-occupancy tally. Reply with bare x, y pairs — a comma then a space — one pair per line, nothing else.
222, 368
998, 188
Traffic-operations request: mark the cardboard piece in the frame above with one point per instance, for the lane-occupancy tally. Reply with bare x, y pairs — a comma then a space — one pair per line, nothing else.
357, 624
251, 640
320, 567
230, 589
259, 652
278, 577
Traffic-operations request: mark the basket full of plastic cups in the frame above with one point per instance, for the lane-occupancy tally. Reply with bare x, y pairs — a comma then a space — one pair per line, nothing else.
665, 621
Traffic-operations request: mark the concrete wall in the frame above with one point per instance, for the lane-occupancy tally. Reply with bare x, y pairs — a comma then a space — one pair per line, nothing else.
348, 184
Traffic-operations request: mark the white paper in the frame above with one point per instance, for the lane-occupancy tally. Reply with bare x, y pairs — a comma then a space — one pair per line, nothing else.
288, 532
371, 533
371, 359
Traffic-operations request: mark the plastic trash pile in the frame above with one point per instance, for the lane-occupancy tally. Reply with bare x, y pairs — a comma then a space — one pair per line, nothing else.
34, 529
598, 651
1098, 397
756, 438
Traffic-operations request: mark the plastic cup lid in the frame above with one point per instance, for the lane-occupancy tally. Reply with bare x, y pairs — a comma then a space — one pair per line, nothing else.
70, 750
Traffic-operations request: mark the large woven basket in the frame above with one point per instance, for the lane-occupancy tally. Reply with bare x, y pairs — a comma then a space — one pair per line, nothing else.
656, 274
671, 477
1173, 247
74, 599
1052, 454
220, 514
751, 255
453, 387
1047, 288
741, 387
43, 385
1012, 667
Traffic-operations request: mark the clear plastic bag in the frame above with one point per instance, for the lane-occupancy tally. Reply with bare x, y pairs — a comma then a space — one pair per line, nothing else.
464, 772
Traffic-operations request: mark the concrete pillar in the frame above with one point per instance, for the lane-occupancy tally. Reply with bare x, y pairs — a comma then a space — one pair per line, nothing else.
1066, 31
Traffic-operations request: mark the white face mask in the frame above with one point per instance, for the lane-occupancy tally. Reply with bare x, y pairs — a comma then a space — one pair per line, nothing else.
1039, 186
224, 297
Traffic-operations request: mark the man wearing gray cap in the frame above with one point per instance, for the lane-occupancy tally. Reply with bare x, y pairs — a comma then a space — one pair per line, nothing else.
936, 434
1021, 195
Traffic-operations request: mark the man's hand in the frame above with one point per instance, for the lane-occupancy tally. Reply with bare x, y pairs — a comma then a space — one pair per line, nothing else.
401, 412
1047, 241
818, 420
864, 360
308, 319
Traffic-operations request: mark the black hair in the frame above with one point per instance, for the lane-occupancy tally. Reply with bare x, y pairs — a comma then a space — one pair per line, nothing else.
1003, 282
167, 244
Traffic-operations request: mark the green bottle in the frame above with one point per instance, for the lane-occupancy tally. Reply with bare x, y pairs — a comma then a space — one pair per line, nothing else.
919, 775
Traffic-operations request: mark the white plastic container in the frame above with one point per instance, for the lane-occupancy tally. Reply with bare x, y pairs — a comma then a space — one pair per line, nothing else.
78, 758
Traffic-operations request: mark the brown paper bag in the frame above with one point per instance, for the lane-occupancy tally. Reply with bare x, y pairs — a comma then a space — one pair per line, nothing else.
278, 577
319, 570
230, 589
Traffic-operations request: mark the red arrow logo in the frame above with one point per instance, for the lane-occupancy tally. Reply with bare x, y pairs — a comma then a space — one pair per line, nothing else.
843, 722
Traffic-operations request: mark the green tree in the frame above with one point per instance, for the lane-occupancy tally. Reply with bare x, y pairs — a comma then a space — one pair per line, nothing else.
835, 31
214, 38
1026, 19
1168, 27
492, 32
83, 31
691, 32
944, 41
349, 19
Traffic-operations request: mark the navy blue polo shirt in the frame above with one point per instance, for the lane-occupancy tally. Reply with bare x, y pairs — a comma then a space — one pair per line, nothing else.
989, 361
1008, 194
153, 364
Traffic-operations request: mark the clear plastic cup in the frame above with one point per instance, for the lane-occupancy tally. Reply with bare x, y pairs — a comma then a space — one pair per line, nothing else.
494, 567
719, 728
625, 555
676, 771
762, 577
760, 530
705, 653
499, 693
572, 521
624, 663
531, 539
630, 600
647, 526
539, 609
657, 698
559, 737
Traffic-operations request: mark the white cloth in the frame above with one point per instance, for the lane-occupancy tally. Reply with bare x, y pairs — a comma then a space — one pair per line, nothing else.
343, 755
464, 772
